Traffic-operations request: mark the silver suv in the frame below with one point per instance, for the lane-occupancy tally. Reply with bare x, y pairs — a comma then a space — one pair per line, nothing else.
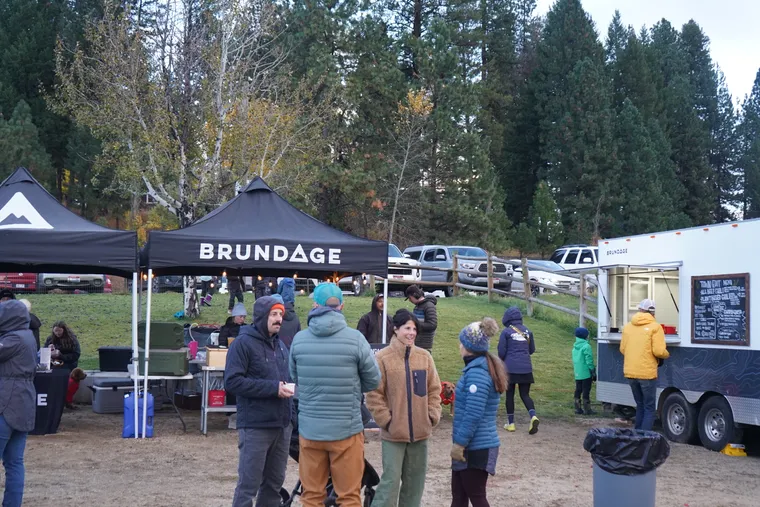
441, 256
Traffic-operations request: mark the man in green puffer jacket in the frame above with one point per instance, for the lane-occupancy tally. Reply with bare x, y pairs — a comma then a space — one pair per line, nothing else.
585, 372
332, 365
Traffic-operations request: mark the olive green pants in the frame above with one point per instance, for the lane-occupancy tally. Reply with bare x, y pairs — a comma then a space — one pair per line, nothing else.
404, 471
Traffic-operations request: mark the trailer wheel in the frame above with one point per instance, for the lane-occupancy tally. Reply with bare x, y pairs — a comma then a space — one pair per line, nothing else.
679, 419
716, 424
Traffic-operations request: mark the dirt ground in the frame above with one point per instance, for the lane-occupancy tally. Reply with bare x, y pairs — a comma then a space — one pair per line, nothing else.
87, 463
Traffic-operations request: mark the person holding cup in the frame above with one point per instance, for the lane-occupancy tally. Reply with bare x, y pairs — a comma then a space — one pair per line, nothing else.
257, 374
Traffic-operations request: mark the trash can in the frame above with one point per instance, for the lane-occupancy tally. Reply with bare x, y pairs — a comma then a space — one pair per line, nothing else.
625, 465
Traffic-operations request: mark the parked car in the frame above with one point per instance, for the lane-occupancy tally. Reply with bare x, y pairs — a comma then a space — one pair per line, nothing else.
440, 256
72, 281
19, 282
161, 283
573, 257
547, 272
408, 273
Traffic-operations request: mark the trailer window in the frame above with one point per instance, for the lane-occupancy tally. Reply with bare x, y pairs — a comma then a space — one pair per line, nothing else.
628, 286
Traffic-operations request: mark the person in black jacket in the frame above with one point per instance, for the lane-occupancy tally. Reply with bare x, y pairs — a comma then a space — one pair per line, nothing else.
64, 345
290, 321
257, 374
34, 322
427, 315
235, 287
231, 328
371, 324
18, 363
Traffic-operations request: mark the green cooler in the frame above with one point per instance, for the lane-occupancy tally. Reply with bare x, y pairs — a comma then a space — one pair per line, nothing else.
165, 362
163, 335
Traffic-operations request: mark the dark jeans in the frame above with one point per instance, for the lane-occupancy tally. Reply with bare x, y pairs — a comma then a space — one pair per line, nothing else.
261, 469
235, 294
12, 445
469, 487
583, 387
206, 288
524, 395
645, 394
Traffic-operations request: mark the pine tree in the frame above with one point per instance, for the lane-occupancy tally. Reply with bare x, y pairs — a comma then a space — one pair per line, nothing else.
617, 38
645, 178
750, 152
583, 160
634, 79
545, 220
20, 146
724, 153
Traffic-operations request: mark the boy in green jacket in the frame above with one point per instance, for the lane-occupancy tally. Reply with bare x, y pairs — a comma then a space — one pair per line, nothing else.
585, 372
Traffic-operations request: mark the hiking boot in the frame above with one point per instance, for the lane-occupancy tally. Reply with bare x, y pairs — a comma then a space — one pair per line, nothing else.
587, 408
578, 409
510, 427
533, 428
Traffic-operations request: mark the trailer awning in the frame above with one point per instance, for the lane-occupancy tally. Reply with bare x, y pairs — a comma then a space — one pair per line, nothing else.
662, 266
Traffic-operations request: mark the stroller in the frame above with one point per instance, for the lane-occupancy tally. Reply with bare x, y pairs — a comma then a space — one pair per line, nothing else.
370, 479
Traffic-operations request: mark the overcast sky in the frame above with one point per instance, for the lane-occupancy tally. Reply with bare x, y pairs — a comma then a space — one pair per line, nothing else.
731, 25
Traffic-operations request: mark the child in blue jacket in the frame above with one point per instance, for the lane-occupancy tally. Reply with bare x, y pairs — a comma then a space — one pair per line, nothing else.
478, 392
584, 369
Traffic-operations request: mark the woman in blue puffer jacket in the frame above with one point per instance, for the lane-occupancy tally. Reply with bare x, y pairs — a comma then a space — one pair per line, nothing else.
478, 392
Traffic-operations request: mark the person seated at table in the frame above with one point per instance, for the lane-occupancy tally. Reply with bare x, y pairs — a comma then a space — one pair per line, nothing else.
231, 328
64, 346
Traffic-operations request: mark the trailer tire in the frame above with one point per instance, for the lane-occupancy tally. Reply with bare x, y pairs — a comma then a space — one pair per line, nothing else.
679, 419
716, 424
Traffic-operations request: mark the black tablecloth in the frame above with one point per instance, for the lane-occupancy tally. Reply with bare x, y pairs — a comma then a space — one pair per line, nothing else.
51, 396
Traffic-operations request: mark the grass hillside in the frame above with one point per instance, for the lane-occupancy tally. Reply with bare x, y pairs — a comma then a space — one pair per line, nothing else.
105, 319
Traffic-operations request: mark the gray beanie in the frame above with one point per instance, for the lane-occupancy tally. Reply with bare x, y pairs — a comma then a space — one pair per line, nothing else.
239, 310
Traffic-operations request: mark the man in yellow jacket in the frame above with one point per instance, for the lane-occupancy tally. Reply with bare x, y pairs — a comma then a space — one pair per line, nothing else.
642, 346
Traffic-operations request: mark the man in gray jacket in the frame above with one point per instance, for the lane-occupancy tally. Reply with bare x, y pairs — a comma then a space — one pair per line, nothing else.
332, 365
18, 364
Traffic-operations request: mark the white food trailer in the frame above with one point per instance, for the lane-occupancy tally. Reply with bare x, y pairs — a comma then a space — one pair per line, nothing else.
700, 279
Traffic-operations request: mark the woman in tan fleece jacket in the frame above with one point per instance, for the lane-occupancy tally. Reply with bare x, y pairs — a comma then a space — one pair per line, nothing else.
406, 406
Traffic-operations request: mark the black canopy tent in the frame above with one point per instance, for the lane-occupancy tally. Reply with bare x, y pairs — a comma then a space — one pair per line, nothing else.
257, 232
38, 234
260, 232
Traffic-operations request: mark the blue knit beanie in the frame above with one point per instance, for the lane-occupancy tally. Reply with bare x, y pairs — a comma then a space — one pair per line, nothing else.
476, 337
581, 332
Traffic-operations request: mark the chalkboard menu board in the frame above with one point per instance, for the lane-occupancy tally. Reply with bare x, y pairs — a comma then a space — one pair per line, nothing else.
720, 309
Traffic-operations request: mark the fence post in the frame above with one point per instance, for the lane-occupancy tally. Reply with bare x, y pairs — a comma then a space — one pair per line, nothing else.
455, 275
582, 317
490, 278
527, 288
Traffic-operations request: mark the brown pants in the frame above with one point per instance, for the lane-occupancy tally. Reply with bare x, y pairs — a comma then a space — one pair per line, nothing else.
343, 460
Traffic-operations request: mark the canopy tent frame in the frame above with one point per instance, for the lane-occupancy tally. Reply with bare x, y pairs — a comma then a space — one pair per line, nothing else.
231, 240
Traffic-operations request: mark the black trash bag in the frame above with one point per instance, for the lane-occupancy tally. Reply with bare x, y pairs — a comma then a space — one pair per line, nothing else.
626, 451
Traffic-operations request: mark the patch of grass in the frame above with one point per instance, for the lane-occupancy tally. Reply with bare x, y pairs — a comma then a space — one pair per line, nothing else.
105, 319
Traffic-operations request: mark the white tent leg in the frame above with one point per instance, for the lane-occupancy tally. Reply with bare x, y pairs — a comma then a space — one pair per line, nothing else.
385, 309
147, 353
135, 356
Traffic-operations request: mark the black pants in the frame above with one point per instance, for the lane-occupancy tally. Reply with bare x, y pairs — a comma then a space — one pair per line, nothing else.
235, 294
583, 386
524, 395
206, 288
469, 487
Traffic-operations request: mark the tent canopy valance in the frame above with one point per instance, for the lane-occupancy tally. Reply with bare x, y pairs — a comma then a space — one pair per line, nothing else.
38, 234
259, 232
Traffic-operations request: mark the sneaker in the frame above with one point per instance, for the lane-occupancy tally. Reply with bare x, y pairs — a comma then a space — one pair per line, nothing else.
510, 427
229, 312
533, 428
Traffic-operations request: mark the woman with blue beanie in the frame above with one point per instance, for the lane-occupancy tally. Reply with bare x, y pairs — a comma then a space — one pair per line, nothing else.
475, 438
